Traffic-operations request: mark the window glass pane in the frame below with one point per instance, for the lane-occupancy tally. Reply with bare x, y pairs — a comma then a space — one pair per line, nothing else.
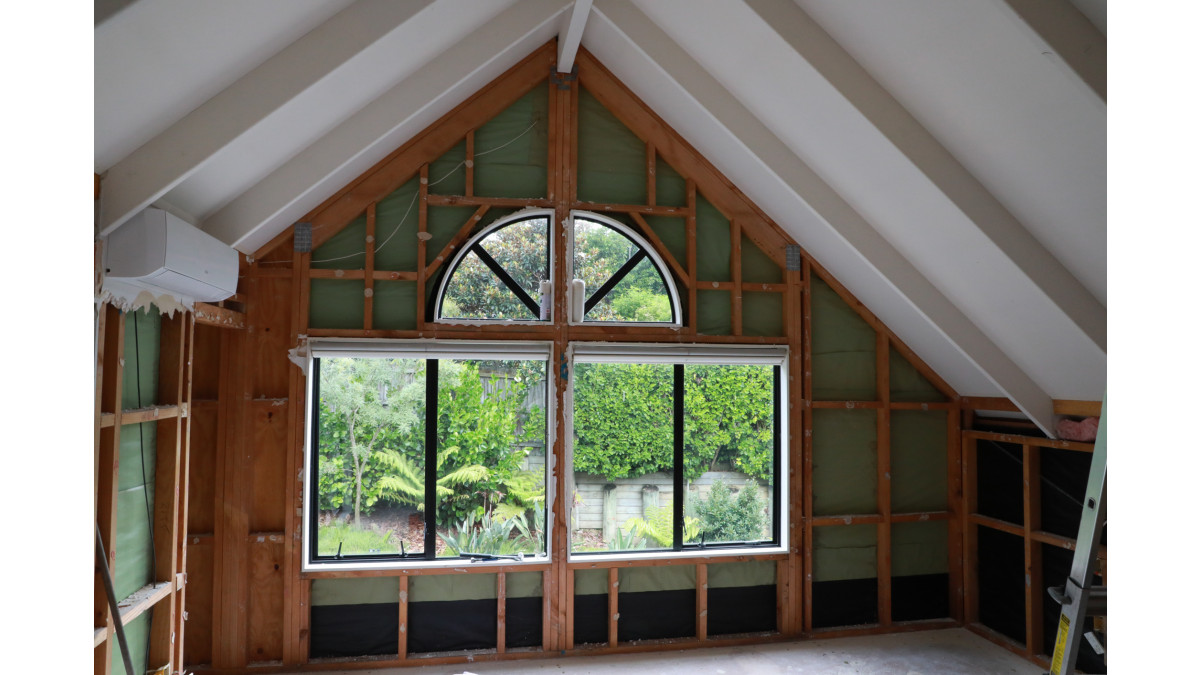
370, 456
491, 457
639, 295
623, 457
476, 291
729, 452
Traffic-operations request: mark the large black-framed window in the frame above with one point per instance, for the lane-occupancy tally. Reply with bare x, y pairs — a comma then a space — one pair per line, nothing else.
432, 452
676, 448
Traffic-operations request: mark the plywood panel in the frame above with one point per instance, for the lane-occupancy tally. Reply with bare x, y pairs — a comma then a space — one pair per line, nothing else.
270, 319
197, 648
268, 420
202, 467
206, 359
265, 602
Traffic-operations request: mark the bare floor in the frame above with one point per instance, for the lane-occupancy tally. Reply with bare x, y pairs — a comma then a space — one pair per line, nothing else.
953, 651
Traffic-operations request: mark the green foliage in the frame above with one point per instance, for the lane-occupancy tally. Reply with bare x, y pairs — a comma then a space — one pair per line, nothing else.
354, 540
625, 540
657, 525
372, 436
485, 534
639, 304
724, 518
624, 413
641, 296
475, 292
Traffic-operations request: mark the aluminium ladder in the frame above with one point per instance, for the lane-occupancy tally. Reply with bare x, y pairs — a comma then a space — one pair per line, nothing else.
1079, 599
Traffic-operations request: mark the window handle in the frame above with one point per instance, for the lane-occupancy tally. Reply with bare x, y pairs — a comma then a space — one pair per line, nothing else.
577, 300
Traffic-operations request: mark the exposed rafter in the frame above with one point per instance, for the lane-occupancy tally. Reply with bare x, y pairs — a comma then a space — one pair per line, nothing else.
1072, 37
165, 161
305, 180
833, 231
570, 37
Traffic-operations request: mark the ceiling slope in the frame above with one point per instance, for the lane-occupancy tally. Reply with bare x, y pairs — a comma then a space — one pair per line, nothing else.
945, 161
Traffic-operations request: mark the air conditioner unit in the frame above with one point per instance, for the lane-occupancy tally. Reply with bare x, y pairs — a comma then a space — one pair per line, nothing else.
161, 252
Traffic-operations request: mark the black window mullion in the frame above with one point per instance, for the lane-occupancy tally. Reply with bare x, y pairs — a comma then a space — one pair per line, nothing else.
507, 280
431, 427
614, 280
776, 498
313, 497
677, 503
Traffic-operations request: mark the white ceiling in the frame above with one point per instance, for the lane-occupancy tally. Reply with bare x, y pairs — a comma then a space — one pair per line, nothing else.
945, 160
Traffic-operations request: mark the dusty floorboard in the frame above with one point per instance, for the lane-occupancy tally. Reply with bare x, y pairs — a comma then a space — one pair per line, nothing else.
941, 652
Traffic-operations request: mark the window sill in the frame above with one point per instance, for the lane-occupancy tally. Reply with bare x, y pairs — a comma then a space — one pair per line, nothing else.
332, 570
577, 561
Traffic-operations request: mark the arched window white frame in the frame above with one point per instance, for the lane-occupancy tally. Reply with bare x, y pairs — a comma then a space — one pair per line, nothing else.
579, 296
538, 302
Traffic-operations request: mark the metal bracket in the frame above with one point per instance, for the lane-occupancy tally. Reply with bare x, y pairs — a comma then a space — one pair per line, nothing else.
564, 80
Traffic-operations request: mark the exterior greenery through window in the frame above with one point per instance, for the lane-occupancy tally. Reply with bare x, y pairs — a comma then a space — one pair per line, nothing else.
423, 457
646, 433
498, 275
621, 280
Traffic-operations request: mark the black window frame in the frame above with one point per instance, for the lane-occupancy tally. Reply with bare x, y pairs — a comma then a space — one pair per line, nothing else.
429, 555
678, 418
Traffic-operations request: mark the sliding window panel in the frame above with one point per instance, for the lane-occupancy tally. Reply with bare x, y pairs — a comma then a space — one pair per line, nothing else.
623, 457
491, 457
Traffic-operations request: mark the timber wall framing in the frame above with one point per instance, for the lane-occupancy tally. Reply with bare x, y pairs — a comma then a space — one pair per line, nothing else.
251, 603
164, 596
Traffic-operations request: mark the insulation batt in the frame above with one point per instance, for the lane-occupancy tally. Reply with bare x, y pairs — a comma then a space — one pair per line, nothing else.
1083, 430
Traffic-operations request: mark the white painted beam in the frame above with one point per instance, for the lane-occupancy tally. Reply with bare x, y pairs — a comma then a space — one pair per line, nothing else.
570, 37
722, 128
1071, 36
328, 164
166, 160
941, 168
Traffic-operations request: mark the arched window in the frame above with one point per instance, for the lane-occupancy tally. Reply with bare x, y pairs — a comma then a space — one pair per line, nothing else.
617, 276
502, 273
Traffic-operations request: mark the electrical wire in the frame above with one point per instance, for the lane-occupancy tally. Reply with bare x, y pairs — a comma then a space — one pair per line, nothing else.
411, 203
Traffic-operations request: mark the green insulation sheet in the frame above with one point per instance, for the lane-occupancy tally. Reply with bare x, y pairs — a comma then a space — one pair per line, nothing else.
714, 312
713, 243
844, 552
355, 591
137, 635
757, 267
666, 578
920, 548
512, 149
907, 384
762, 314
612, 159
919, 460
741, 574
397, 217
134, 566
345, 250
670, 188
844, 477
843, 349
591, 582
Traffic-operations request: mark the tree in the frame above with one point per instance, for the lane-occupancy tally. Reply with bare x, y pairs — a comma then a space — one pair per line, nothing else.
367, 401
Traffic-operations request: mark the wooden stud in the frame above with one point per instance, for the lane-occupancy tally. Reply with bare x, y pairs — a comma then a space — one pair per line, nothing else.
807, 447
569, 594
459, 238
211, 315
1017, 439
735, 264
422, 247
651, 174
181, 522
402, 637
661, 249
469, 161
494, 202
701, 601
295, 651
693, 325
970, 504
1034, 590
500, 614
107, 472
1077, 408
954, 500
369, 271
613, 605
883, 422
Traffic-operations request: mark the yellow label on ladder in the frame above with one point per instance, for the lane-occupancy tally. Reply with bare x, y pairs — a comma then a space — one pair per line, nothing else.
1060, 644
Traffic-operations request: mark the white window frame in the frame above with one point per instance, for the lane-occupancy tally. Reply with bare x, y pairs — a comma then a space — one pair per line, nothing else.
686, 354
575, 313
423, 349
452, 267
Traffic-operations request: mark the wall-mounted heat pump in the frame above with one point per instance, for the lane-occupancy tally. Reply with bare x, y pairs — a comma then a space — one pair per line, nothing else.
161, 252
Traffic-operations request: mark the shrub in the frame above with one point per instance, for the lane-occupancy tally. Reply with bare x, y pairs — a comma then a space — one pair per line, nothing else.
724, 518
